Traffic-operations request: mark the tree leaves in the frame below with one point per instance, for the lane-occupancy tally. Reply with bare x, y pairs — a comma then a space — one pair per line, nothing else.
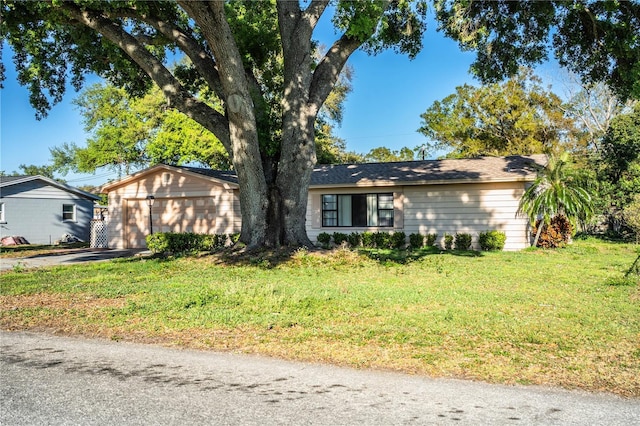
517, 117
595, 39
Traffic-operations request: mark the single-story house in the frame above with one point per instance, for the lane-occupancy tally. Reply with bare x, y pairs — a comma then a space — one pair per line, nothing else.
432, 196
43, 210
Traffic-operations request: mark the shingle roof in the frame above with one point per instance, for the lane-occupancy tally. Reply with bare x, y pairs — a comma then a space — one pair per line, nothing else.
482, 169
225, 175
6, 181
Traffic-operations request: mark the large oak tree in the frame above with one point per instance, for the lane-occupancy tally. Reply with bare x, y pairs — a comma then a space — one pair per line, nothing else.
245, 51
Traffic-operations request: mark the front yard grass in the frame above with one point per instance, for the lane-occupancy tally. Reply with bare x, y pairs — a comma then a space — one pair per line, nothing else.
563, 318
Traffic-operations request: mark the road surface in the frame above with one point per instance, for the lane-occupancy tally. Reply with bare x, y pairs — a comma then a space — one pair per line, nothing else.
49, 380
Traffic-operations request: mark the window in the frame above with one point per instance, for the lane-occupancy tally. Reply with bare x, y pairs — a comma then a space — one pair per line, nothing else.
357, 210
69, 212
2, 212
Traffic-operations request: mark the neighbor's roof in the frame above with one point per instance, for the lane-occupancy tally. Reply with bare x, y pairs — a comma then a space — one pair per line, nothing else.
481, 169
6, 181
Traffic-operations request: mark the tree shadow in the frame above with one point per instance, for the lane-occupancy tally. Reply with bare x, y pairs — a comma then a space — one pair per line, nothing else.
402, 257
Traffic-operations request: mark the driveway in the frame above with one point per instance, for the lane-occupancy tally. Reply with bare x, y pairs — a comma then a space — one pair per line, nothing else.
69, 381
67, 257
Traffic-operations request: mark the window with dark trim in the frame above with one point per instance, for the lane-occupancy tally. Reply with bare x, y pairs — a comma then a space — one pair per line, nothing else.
357, 210
69, 212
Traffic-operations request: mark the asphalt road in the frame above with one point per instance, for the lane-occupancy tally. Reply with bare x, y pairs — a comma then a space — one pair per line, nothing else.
49, 380
67, 257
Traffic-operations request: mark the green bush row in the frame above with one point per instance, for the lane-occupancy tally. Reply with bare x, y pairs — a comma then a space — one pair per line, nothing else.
393, 240
188, 242
488, 240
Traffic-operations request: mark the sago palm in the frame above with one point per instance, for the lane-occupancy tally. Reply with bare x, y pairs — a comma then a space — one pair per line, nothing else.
559, 189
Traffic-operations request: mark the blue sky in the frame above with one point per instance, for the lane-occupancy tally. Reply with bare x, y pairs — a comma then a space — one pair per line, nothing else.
389, 94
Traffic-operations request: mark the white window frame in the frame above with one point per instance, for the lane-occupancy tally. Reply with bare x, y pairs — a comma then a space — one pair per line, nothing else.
2, 213
73, 213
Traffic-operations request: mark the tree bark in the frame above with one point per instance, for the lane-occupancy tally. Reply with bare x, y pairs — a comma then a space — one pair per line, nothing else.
253, 192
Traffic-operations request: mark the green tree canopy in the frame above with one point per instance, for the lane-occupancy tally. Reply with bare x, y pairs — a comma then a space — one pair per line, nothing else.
595, 39
33, 170
132, 132
384, 154
619, 172
248, 52
517, 117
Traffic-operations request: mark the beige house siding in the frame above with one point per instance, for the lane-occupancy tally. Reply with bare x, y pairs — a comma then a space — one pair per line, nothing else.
467, 208
183, 203
448, 208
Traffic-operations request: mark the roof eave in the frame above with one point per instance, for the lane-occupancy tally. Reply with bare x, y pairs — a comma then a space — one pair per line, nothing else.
54, 183
387, 183
130, 178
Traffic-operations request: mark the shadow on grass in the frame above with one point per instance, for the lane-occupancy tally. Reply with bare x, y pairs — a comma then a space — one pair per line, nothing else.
270, 258
405, 256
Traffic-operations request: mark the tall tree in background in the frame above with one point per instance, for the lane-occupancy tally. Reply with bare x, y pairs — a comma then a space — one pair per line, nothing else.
33, 170
128, 133
619, 161
384, 154
235, 48
517, 117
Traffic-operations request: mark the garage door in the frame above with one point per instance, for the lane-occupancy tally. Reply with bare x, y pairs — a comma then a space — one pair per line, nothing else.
197, 214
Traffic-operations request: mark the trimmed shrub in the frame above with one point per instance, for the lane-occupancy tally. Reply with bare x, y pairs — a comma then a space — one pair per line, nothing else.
398, 240
416, 241
221, 240
382, 239
368, 239
324, 239
339, 238
158, 242
492, 240
185, 242
463, 241
234, 238
354, 239
448, 241
431, 240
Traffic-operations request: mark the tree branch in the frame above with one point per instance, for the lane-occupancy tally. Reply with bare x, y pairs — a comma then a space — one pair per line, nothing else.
327, 72
329, 68
177, 96
314, 11
203, 62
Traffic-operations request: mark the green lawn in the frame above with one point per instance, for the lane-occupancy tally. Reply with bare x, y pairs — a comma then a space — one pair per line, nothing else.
566, 318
